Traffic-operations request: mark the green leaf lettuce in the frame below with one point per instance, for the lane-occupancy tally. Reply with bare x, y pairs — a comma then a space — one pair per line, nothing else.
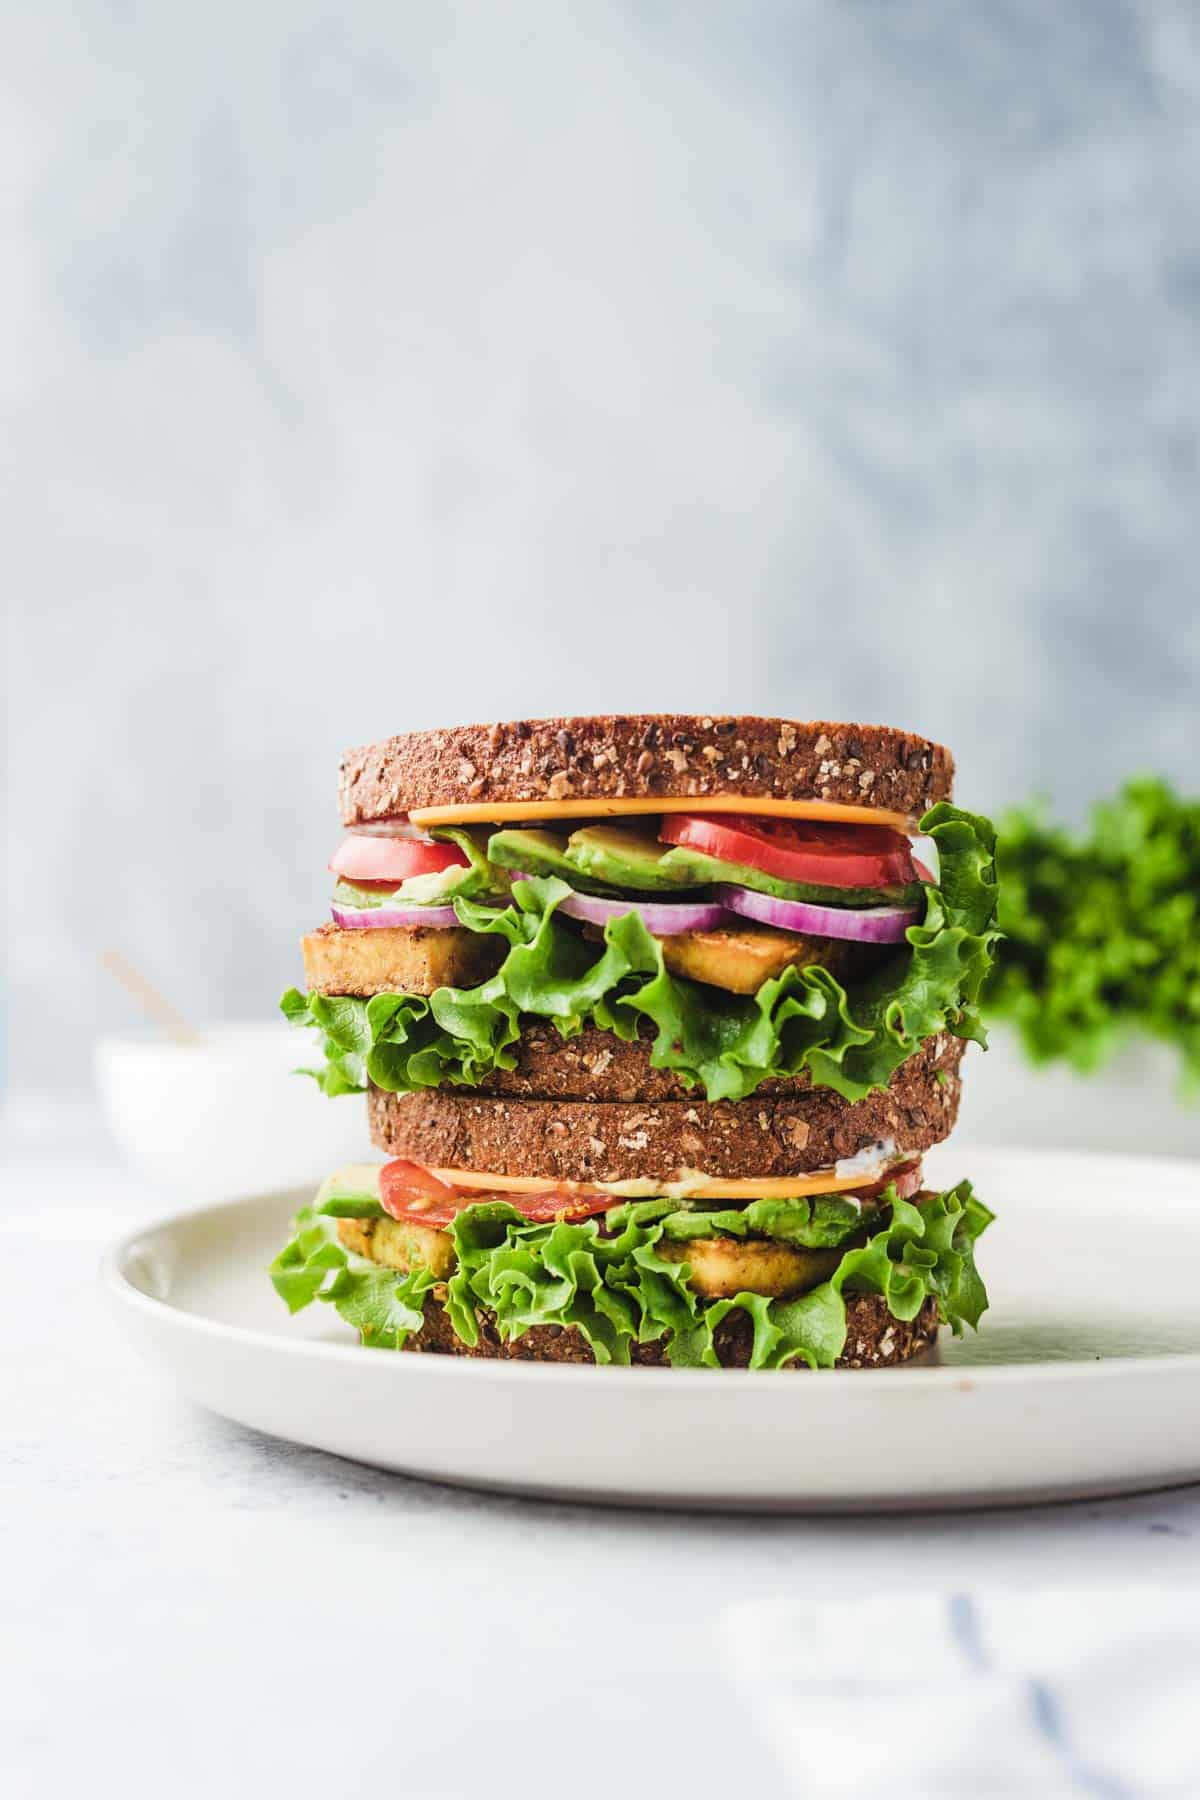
385, 1308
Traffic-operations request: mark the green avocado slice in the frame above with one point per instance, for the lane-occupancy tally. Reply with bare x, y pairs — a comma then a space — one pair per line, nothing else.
606, 859
540, 853
627, 859
705, 871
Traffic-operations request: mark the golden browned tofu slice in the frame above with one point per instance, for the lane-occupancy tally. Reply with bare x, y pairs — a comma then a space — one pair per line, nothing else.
741, 957
722, 1267
398, 1245
404, 960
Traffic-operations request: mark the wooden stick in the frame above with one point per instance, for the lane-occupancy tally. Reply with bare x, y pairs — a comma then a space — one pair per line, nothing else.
151, 1000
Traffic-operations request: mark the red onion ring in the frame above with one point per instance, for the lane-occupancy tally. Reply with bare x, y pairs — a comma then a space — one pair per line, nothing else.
864, 925
355, 918
662, 918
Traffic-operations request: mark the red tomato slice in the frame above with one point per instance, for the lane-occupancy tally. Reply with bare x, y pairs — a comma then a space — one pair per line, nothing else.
559, 1203
413, 1193
797, 850
409, 1188
393, 859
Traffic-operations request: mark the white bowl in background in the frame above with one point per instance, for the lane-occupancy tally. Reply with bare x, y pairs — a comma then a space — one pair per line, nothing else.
227, 1115
1133, 1103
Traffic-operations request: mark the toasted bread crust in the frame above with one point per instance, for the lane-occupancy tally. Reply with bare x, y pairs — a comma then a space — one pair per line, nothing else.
586, 1140
874, 1339
597, 1066
648, 756
406, 960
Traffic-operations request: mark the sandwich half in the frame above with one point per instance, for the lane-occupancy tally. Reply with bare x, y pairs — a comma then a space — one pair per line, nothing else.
656, 1018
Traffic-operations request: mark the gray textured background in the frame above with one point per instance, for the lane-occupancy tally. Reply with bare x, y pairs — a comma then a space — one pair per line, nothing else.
370, 366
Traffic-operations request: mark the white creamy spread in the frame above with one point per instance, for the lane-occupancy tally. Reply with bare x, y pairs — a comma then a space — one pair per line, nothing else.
870, 1162
645, 1187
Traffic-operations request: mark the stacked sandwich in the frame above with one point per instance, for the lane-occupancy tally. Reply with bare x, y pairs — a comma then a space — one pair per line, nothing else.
656, 1017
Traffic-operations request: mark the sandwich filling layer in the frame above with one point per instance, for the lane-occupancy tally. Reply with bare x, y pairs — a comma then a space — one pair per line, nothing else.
631, 934
381, 1244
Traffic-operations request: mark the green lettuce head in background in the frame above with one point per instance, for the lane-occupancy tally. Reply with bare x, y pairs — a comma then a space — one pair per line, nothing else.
802, 1020
1102, 929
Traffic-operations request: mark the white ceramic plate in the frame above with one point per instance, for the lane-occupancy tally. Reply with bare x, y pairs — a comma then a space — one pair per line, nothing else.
1084, 1380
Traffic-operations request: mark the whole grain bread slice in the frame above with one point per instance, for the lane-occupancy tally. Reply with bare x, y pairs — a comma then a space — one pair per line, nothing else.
597, 1065
875, 1338
646, 756
582, 1140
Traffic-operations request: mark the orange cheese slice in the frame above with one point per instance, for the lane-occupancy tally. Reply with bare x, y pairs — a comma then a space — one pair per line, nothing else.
684, 1186
500, 811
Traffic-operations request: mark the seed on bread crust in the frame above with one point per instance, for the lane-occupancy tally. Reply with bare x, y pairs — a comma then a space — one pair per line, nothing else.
645, 756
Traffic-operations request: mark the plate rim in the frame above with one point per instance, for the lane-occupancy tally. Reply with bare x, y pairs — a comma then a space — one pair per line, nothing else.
123, 1292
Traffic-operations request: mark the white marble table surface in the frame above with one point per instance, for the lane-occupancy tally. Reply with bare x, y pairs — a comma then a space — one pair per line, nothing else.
192, 1609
